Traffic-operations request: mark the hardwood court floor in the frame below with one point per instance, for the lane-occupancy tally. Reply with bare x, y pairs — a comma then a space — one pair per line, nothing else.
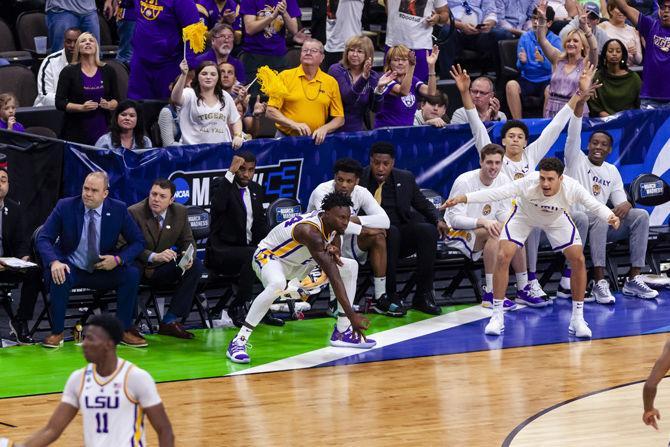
471, 399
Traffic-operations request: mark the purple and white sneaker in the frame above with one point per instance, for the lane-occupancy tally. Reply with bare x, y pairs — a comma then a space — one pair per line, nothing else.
487, 301
525, 297
348, 339
237, 350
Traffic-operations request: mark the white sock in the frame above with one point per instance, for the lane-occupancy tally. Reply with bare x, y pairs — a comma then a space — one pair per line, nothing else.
245, 332
521, 280
489, 282
577, 310
380, 286
565, 282
342, 323
497, 307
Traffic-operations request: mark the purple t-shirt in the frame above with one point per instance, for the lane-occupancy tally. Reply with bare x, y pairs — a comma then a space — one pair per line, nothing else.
656, 58
211, 14
95, 122
210, 55
17, 126
157, 38
272, 40
398, 110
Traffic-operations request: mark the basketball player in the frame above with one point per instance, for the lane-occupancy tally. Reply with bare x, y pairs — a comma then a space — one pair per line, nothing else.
475, 227
521, 159
543, 201
364, 234
657, 373
290, 251
112, 394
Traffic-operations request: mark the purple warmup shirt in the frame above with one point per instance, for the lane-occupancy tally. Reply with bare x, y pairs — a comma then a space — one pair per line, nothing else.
656, 58
157, 38
211, 14
17, 126
210, 55
272, 40
95, 121
398, 110
356, 98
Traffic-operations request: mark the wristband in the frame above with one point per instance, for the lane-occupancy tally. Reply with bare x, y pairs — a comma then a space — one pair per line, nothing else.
118, 260
431, 74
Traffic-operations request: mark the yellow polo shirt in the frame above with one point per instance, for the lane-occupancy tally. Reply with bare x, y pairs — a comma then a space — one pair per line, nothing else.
309, 102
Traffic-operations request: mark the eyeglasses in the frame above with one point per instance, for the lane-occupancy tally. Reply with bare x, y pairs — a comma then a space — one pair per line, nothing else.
311, 51
479, 93
224, 37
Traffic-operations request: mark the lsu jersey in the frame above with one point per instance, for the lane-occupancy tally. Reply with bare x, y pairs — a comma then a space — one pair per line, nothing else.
280, 244
111, 417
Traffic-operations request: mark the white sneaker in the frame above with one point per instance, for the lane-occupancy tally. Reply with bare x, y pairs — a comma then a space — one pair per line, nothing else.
536, 290
496, 325
579, 328
637, 287
600, 292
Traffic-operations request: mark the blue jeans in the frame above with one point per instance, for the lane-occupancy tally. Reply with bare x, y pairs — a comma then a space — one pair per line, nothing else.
58, 22
125, 279
125, 28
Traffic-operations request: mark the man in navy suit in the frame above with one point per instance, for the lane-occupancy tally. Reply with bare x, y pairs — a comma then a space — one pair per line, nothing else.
78, 246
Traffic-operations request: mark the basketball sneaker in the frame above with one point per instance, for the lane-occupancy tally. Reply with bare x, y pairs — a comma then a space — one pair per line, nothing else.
536, 289
563, 292
579, 328
385, 306
348, 339
636, 287
496, 325
600, 291
525, 297
487, 301
237, 350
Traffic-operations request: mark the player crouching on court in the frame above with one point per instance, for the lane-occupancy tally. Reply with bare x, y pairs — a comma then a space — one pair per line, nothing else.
475, 227
290, 251
543, 199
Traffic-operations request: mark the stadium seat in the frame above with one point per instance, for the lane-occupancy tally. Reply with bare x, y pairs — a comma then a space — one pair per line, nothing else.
121, 77
507, 50
6, 38
649, 190
20, 81
107, 48
28, 26
41, 131
281, 210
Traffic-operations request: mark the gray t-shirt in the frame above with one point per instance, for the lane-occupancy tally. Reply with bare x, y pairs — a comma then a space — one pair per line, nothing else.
74, 6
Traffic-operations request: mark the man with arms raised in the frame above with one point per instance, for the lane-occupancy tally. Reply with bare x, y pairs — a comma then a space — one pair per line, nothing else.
290, 251
365, 233
543, 201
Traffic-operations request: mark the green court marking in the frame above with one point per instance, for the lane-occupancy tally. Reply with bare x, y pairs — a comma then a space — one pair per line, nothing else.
30, 370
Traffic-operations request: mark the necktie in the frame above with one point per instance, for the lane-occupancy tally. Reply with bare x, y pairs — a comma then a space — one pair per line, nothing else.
242, 197
159, 222
92, 242
378, 193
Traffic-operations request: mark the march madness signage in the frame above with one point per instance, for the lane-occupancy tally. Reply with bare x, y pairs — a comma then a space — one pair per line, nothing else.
278, 180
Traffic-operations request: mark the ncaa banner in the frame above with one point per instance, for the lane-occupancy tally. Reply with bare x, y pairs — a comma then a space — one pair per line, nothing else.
294, 166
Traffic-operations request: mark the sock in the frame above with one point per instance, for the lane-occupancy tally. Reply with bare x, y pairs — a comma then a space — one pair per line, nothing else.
244, 332
342, 322
522, 280
489, 282
567, 272
497, 307
577, 310
565, 282
169, 318
531, 276
380, 286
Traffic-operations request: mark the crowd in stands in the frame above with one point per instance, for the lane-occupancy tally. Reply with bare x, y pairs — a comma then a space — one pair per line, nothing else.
333, 85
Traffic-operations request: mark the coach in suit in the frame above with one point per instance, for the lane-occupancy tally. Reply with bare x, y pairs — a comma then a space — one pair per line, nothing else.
15, 243
78, 247
167, 235
238, 225
414, 223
